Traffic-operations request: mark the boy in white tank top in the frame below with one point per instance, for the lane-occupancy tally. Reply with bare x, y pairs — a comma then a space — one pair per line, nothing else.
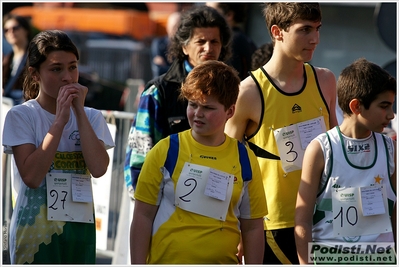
346, 200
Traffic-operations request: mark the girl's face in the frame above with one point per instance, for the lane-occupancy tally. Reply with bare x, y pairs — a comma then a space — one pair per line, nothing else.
14, 33
59, 69
207, 120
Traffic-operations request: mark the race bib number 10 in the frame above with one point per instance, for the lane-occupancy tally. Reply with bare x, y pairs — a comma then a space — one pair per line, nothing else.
360, 211
69, 197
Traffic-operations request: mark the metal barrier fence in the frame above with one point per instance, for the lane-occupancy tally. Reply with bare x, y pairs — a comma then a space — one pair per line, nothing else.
118, 192
118, 197
118, 60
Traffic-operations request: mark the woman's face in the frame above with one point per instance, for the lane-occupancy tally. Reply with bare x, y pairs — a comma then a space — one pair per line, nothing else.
205, 44
15, 34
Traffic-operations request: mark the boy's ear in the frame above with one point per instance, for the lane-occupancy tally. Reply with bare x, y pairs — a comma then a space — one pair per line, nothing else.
354, 105
276, 32
230, 111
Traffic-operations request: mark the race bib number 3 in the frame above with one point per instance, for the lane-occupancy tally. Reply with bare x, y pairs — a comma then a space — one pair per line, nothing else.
360, 211
69, 197
293, 140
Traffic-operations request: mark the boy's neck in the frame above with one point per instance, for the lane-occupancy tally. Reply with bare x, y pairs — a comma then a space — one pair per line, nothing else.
288, 75
349, 129
214, 140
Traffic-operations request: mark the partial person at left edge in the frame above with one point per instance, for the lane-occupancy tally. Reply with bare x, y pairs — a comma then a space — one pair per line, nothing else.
18, 33
57, 146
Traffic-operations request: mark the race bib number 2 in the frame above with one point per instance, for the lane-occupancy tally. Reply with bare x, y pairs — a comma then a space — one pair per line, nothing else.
204, 191
69, 197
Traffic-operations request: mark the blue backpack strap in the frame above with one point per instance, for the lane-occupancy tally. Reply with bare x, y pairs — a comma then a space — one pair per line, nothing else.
173, 152
246, 171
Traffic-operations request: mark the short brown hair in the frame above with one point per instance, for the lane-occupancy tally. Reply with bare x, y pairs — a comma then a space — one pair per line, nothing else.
284, 14
363, 80
212, 78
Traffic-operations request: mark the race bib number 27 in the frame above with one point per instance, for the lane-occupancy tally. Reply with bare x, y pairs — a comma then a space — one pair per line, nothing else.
69, 197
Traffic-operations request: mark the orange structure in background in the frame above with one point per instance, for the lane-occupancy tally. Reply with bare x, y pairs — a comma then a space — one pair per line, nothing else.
124, 22
159, 13
132, 23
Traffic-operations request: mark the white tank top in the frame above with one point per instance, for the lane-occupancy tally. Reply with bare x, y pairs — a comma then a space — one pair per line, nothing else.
352, 163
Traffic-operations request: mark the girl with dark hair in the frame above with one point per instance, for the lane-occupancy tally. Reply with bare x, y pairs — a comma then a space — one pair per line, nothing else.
57, 145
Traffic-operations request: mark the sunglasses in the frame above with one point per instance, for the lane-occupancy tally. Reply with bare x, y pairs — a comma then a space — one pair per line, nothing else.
13, 29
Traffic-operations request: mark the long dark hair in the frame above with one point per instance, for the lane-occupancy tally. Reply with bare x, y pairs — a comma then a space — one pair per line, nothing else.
199, 17
39, 48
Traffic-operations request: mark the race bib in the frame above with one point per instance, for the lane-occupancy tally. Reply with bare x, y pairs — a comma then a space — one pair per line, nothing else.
360, 211
69, 197
293, 140
205, 191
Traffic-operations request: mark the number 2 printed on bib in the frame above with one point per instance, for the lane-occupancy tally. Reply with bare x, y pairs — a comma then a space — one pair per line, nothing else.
205, 191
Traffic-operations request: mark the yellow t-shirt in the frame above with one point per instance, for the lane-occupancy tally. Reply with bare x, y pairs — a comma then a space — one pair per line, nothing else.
183, 237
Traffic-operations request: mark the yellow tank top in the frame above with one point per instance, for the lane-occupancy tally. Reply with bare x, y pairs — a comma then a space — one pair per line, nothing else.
280, 109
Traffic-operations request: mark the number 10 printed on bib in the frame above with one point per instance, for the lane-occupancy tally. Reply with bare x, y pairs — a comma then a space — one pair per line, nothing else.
360, 211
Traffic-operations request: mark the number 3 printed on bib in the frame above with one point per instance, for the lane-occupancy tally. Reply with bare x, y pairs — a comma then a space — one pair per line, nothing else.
293, 140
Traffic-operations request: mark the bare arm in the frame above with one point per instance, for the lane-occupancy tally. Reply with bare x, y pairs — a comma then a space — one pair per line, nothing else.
93, 149
247, 112
253, 240
312, 168
33, 163
141, 231
240, 253
327, 83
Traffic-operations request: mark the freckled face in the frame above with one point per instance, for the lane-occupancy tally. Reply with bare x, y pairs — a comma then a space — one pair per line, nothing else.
207, 120
205, 44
